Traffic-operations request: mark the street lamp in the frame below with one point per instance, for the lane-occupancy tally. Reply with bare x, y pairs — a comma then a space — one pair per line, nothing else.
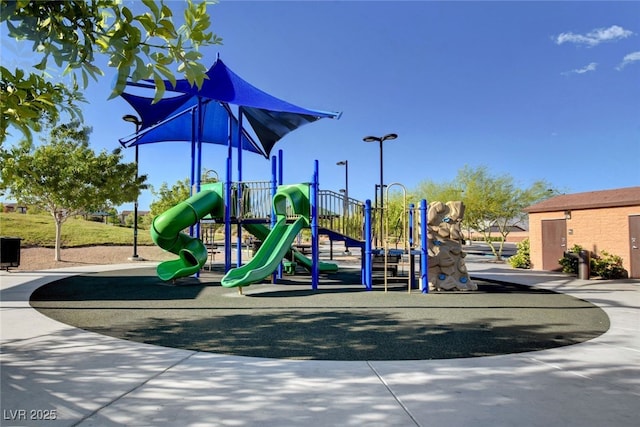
345, 163
381, 139
136, 121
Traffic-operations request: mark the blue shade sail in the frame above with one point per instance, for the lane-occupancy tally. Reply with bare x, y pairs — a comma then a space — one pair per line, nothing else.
152, 114
224, 85
270, 126
270, 118
182, 125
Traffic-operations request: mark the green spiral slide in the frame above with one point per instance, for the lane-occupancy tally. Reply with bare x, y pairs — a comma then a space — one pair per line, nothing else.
279, 240
166, 232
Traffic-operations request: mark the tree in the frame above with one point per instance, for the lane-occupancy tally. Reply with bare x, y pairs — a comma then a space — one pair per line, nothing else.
113, 217
65, 177
169, 197
495, 201
433, 191
179, 192
396, 217
72, 32
491, 201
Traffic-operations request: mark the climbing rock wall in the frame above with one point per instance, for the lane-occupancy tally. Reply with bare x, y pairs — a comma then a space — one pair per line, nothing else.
447, 269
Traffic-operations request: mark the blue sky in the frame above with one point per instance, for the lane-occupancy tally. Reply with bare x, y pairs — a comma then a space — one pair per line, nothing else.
536, 90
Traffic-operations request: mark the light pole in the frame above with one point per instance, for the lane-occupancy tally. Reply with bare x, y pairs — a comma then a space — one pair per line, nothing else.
136, 121
381, 139
345, 163
375, 203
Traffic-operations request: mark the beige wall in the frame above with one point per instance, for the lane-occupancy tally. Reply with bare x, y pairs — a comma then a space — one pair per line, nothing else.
593, 229
535, 235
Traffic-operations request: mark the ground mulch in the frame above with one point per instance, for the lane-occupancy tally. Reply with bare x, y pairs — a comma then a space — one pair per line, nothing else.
39, 258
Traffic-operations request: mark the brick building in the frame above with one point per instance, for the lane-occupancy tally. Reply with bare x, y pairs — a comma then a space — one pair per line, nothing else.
597, 220
14, 207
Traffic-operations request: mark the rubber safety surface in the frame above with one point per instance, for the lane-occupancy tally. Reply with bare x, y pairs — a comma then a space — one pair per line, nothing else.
339, 321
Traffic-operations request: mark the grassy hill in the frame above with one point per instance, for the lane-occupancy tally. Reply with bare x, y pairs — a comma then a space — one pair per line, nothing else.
39, 230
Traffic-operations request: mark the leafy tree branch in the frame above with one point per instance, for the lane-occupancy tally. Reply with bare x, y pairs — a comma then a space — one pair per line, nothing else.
71, 33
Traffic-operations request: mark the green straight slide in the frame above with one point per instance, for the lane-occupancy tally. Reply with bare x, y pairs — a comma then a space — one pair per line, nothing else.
268, 257
166, 232
261, 232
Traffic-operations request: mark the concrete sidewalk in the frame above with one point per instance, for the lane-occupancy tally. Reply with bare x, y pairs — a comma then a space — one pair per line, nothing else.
73, 377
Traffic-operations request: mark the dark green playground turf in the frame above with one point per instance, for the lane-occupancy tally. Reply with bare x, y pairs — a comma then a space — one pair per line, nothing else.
339, 321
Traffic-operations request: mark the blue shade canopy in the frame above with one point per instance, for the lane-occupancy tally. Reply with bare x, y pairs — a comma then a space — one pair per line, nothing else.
224, 85
182, 126
271, 118
270, 126
151, 114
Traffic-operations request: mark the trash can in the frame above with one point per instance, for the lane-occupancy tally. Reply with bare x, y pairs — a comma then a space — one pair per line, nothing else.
9, 252
584, 265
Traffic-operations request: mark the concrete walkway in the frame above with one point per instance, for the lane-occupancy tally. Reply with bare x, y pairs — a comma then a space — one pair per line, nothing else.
73, 377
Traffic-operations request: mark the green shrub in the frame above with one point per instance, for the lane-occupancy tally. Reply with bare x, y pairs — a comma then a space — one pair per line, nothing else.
608, 266
522, 258
605, 265
569, 261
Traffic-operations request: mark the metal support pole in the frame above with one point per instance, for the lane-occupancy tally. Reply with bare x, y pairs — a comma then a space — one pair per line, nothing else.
135, 216
136, 121
239, 204
315, 244
274, 186
381, 198
227, 216
280, 182
368, 279
424, 248
412, 259
198, 164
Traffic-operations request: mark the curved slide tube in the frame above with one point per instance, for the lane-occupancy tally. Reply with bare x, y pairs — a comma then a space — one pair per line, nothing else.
166, 232
268, 257
261, 232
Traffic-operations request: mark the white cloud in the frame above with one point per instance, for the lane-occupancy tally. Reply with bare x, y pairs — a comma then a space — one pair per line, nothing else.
628, 59
585, 69
595, 37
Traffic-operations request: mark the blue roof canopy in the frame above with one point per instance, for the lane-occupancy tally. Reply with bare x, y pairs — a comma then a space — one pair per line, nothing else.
270, 118
159, 125
152, 114
224, 85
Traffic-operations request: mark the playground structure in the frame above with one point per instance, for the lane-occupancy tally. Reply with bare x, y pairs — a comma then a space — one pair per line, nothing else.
204, 115
431, 234
288, 209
